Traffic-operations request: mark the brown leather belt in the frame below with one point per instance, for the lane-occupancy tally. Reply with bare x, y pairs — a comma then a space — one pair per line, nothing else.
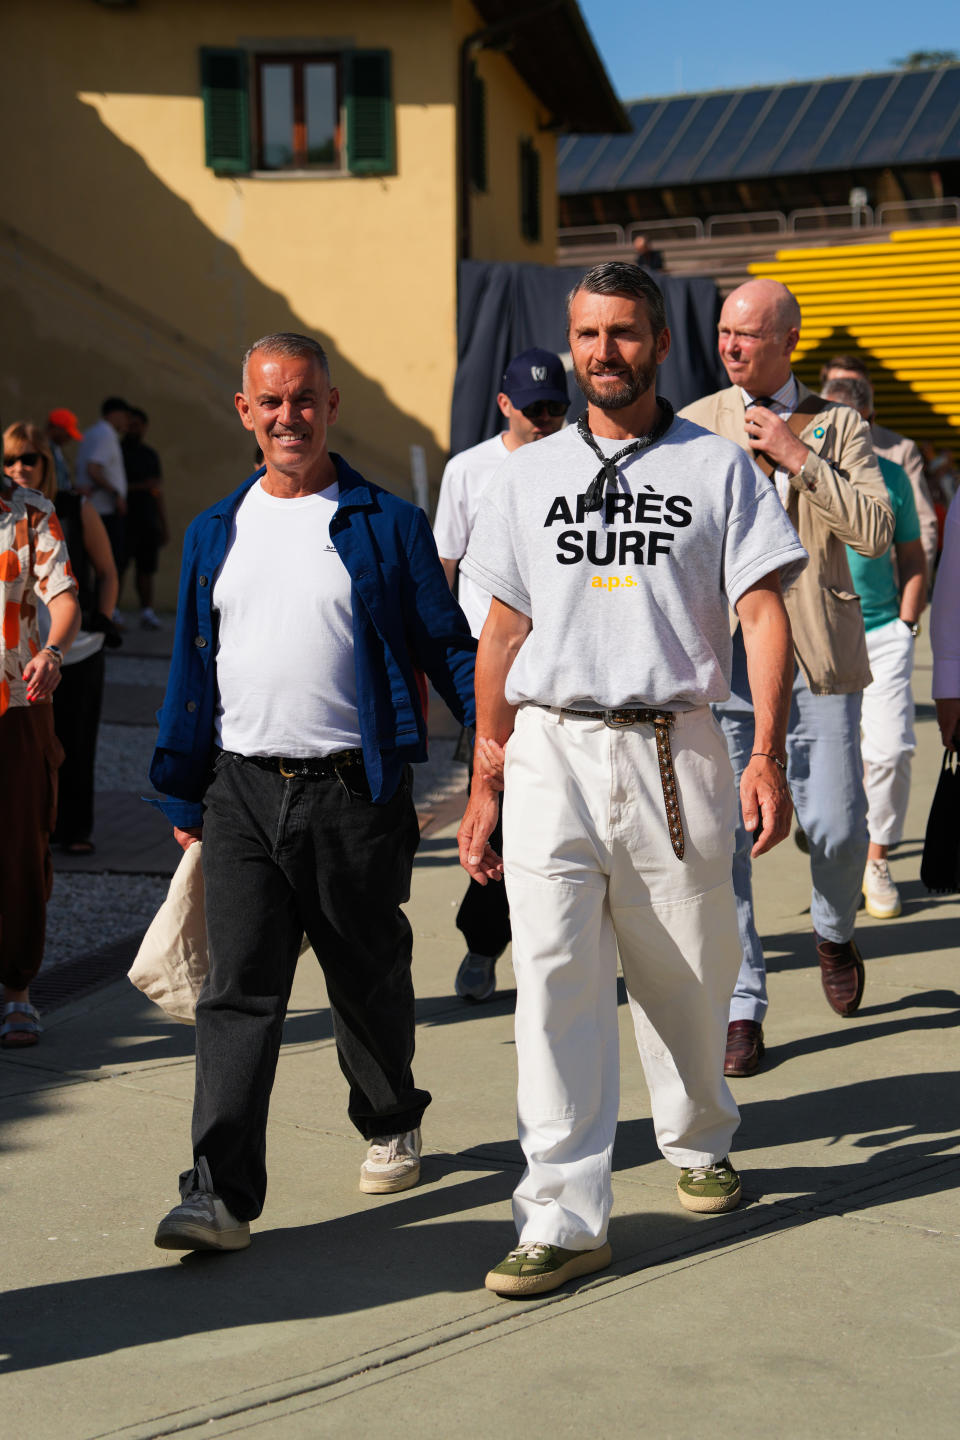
661, 720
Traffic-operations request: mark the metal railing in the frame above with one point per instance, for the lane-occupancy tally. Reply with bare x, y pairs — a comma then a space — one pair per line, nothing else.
848, 217
768, 222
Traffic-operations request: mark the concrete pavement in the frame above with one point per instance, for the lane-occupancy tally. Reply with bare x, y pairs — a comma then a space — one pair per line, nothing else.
826, 1306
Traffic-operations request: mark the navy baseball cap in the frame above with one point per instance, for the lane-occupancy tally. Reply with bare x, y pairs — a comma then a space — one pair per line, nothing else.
535, 375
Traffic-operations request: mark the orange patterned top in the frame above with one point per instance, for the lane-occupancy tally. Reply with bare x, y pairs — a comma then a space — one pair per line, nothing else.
33, 566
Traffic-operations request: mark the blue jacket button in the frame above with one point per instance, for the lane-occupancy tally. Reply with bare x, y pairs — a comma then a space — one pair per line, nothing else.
191, 706
200, 643
202, 580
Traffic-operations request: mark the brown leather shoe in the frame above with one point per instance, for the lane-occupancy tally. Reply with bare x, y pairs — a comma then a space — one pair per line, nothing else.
744, 1047
841, 974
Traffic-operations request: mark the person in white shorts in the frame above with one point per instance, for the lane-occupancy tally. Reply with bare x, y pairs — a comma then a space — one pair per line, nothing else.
533, 399
613, 552
892, 598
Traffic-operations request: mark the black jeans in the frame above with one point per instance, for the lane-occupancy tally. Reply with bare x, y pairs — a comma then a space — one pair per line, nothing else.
77, 702
281, 857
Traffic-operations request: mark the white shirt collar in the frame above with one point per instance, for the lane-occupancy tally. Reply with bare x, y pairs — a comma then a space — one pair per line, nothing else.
785, 397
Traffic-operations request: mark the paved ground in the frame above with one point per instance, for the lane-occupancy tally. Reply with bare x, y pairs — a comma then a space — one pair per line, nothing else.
826, 1306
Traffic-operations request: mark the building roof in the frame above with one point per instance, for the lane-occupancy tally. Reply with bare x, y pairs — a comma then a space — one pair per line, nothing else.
863, 122
552, 50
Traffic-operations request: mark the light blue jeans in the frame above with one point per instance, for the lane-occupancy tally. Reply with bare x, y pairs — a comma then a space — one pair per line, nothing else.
825, 775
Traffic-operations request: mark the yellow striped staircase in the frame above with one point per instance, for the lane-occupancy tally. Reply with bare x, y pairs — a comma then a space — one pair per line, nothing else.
897, 303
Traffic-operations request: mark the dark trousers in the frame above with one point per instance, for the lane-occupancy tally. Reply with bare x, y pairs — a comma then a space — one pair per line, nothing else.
280, 857
484, 915
77, 702
29, 756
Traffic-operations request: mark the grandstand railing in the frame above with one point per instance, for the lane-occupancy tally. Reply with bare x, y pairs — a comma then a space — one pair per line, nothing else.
768, 222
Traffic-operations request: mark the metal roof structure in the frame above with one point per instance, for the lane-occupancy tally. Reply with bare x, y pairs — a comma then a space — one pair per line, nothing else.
864, 122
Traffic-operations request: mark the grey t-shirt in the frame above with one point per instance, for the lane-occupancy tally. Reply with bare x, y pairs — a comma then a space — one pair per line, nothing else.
630, 605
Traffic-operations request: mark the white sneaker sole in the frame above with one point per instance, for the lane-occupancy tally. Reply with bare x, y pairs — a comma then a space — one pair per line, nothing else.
878, 911
389, 1184
185, 1236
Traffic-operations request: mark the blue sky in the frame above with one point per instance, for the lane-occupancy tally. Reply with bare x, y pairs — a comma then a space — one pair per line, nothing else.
658, 49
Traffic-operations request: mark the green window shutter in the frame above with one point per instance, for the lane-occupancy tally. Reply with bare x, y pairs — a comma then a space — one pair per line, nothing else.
226, 110
529, 191
478, 130
370, 129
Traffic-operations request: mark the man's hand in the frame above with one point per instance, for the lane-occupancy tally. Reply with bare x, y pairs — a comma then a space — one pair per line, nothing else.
42, 675
477, 857
488, 758
767, 432
764, 793
186, 838
948, 718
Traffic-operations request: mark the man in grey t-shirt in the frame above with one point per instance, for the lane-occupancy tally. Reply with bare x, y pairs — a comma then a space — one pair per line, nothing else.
613, 552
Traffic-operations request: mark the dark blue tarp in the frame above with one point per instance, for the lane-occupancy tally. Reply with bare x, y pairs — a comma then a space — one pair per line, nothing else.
503, 309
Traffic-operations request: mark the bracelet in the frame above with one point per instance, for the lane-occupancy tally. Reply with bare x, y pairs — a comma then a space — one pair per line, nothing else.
765, 755
56, 652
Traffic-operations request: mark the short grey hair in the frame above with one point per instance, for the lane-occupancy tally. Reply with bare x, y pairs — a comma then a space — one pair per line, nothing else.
855, 392
289, 344
613, 277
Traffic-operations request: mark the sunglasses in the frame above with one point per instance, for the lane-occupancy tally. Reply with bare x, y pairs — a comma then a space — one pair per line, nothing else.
28, 457
556, 408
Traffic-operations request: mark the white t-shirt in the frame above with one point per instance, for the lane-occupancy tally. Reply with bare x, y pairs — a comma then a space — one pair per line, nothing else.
285, 656
101, 444
464, 480
630, 604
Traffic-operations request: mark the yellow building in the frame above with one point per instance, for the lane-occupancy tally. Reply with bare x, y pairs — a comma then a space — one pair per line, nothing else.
182, 176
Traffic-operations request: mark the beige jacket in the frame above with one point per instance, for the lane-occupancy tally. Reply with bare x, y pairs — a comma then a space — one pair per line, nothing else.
838, 499
905, 452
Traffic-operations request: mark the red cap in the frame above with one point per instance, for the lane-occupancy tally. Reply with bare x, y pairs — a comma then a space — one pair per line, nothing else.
65, 420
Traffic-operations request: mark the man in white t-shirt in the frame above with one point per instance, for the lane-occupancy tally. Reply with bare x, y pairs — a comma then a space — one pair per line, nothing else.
534, 399
100, 472
312, 603
613, 552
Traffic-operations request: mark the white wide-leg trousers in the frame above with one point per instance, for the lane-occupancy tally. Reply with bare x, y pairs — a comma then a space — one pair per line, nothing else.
589, 868
888, 735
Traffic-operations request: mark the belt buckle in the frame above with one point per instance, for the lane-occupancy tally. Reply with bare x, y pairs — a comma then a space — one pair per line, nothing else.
287, 774
618, 719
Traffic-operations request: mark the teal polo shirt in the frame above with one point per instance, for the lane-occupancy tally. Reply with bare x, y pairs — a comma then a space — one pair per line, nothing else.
875, 581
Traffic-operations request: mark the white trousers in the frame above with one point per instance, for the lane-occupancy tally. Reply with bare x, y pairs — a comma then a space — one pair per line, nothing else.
589, 867
888, 737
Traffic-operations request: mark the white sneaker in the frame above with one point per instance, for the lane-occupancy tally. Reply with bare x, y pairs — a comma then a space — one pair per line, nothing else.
477, 977
882, 896
202, 1221
392, 1163
149, 619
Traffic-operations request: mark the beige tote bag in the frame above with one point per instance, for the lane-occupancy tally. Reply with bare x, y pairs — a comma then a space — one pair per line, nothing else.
172, 960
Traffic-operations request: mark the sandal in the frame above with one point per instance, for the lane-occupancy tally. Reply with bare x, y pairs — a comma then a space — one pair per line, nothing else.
18, 1033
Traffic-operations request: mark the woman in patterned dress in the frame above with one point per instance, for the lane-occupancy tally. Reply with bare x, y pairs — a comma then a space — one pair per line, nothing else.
33, 567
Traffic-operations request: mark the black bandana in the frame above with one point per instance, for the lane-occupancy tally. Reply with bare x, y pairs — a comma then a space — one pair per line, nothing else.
593, 500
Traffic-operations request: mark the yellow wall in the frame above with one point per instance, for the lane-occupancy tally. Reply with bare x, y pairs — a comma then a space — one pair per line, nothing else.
512, 113
897, 301
127, 266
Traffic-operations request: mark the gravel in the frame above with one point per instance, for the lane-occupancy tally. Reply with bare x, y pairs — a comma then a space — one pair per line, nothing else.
123, 758
88, 912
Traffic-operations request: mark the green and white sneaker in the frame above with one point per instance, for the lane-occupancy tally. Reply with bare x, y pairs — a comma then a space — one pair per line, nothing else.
709, 1189
533, 1268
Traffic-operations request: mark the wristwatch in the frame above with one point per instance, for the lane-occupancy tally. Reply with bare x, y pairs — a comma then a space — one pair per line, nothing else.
56, 652
913, 626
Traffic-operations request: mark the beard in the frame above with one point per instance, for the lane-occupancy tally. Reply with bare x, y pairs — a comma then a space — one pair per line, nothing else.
618, 397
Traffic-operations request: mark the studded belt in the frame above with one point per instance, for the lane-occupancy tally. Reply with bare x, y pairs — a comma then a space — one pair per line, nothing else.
327, 767
661, 720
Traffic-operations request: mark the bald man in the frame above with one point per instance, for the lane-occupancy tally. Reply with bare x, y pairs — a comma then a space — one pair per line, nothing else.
819, 456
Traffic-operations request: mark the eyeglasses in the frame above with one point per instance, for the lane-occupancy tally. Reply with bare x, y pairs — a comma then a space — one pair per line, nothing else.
556, 408
27, 457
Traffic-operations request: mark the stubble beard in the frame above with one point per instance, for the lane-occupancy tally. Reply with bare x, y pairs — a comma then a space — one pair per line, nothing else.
618, 397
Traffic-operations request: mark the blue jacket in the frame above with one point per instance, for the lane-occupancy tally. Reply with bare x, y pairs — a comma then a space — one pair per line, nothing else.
404, 619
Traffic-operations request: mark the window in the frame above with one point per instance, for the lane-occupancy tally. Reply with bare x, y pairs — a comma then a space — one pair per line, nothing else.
529, 191
276, 112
